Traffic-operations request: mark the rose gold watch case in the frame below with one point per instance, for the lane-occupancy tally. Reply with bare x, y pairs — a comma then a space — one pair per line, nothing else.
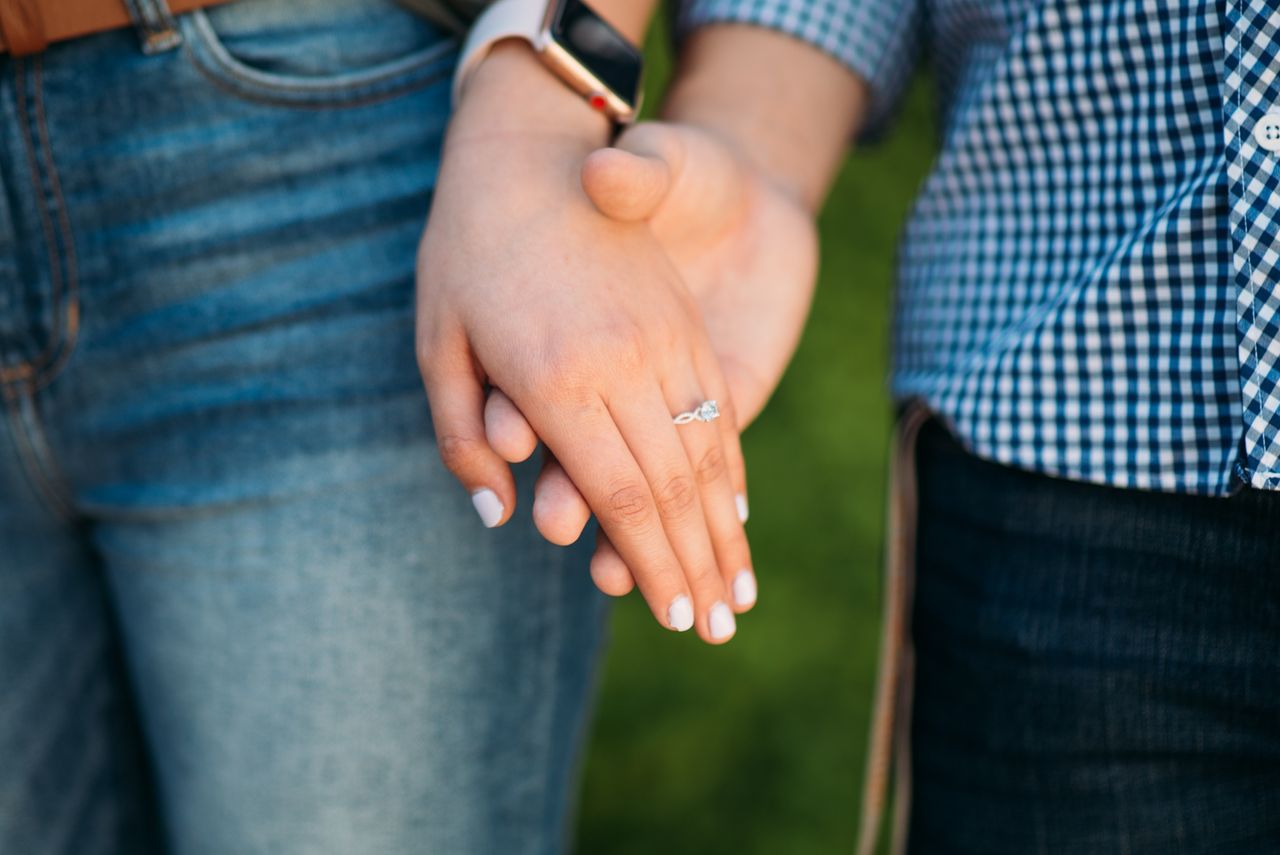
578, 76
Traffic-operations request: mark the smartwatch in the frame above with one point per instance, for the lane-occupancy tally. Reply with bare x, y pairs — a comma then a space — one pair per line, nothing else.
579, 47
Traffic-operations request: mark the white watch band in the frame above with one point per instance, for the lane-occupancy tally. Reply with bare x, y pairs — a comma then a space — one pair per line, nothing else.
505, 19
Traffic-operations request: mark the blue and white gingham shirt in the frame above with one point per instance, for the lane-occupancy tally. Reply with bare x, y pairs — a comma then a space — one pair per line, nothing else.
1089, 282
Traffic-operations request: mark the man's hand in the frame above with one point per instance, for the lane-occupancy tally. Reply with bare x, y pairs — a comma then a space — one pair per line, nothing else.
584, 323
746, 249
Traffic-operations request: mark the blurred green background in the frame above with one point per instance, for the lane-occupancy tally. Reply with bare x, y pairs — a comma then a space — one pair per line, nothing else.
758, 746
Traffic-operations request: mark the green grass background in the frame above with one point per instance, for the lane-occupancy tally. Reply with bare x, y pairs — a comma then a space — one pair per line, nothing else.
758, 746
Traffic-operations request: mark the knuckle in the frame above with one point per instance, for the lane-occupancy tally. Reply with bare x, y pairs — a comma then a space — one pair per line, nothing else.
736, 549
710, 466
424, 350
705, 577
628, 506
459, 453
564, 367
736, 544
676, 496
670, 337
553, 371
625, 348
561, 371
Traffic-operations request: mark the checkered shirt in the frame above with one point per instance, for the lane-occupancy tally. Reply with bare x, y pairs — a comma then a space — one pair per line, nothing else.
1088, 280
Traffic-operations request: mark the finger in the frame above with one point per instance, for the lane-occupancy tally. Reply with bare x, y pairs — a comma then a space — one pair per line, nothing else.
727, 526
623, 185
608, 570
712, 376
507, 429
704, 446
645, 423
736, 460
587, 443
455, 394
559, 511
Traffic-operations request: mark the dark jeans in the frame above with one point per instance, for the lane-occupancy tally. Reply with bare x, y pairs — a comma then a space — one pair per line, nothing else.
1098, 670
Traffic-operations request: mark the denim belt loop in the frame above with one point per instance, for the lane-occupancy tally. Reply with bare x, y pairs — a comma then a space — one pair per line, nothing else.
156, 27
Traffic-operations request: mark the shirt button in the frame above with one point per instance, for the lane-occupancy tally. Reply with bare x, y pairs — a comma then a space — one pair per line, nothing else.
1267, 132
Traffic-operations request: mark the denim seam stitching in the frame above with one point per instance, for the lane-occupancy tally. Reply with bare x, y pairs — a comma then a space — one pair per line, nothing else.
212, 44
69, 328
23, 371
216, 64
41, 369
256, 98
51, 495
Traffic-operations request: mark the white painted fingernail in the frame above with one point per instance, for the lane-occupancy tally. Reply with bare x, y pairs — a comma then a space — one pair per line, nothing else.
680, 614
488, 506
722, 623
741, 501
744, 588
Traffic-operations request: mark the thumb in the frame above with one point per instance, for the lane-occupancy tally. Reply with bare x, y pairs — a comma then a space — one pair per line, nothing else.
625, 186
686, 182
631, 181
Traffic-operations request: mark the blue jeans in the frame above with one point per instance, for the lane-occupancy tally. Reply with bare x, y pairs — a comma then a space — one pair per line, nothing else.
1097, 670
243, 607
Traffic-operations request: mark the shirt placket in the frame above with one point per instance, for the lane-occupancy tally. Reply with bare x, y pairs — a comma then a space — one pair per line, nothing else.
1251, 95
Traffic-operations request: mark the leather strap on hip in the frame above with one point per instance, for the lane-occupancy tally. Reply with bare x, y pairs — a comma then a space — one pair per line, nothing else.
29, 26
22, 26
895, 679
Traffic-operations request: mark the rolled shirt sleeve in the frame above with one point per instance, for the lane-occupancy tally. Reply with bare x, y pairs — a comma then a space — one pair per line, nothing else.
876, 39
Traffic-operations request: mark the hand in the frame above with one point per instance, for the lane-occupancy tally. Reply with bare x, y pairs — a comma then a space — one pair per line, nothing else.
583, 322
746, 249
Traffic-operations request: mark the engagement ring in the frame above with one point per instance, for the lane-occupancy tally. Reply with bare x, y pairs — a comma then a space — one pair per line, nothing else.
707, 411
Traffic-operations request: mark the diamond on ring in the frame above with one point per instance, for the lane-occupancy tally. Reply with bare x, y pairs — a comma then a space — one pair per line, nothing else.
707, 411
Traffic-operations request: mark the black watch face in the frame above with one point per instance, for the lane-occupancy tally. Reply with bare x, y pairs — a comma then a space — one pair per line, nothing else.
599, 47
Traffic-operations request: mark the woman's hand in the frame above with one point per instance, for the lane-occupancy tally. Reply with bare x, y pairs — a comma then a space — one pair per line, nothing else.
745, 248
732, 204
585, 325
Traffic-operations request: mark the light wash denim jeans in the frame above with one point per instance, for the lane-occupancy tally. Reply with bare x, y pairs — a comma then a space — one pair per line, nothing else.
243, 607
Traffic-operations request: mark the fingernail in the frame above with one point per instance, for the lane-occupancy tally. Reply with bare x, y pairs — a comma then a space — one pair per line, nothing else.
741, 501
488, 506
680, 614
722, 623
744, 588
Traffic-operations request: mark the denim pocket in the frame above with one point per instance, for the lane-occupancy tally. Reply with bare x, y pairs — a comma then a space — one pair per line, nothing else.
317, 53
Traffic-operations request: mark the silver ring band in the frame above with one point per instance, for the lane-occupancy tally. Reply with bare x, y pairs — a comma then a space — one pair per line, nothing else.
707, 411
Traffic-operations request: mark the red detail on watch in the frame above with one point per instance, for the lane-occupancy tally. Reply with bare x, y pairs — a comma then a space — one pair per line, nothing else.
596, 100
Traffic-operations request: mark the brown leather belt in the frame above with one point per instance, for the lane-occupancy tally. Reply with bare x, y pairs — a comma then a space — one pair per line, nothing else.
29, 26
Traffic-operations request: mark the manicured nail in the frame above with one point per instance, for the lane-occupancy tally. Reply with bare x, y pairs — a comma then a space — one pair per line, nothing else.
488, 506
744, 588
722, 624
741, 501
680, 614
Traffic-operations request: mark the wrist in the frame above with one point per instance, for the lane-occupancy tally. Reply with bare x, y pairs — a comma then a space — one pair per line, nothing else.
718, 120
707, 109
512, 95
797, 128
518, 138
